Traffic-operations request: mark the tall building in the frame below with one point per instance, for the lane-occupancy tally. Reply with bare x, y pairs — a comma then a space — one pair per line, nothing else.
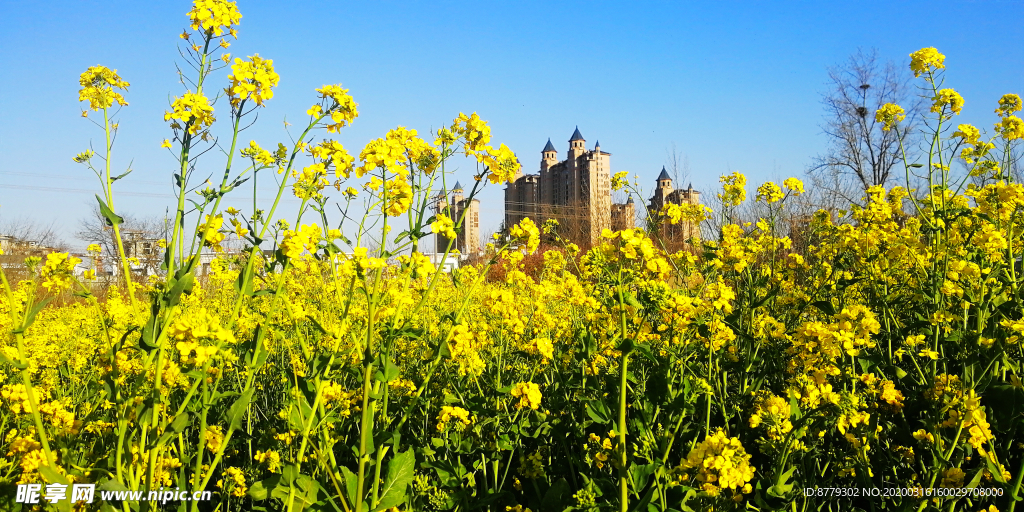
576, 192
467, 240
665, 194
623, 215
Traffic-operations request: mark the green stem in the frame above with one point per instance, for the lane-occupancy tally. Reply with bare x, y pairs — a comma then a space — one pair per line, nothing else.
623, 371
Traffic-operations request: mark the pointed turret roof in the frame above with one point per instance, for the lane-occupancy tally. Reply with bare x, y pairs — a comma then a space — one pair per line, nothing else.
458, 186
664, 174
630, 200
576, 135
597, 144
548, 147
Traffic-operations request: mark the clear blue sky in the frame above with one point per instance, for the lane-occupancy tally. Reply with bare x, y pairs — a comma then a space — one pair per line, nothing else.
733, 85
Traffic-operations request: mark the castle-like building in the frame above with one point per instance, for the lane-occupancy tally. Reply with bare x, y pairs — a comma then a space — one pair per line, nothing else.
467, 240
665, 194
576, 192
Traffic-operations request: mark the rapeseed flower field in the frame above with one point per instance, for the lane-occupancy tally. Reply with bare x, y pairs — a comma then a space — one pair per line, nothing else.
739, 373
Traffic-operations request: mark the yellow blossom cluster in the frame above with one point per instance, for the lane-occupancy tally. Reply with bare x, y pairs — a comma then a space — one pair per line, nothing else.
193, 109
342, 109
209, 232
333, 152
59, 270
890, 114
769, 192
444, 226
719, 463
449, 415
733, 191
926, 60
253, 79
233, 481
527, 233
215, 16
98, 83
294, 242
528, 393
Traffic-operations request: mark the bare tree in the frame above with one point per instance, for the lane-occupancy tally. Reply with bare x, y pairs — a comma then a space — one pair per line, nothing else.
678, 165
26, 231
140, 236
860, 154
21, 237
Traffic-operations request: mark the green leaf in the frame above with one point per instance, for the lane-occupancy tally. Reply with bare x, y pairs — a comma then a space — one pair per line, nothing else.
900, 373
317, 325
243, 285
627, 345
645, 351
112, 218
996, 473
122, 175
782, 488
400, 472
238, 409
794, 408
52, 476
557, 496
599, 414
32, 314
112, 485
17, 364
351, 482
295, 421
976, 480
630, 299
149, 332
182, 284
769, 296
639, 474
308, 487
262, 488
180, 422
865, 364
390, 373
825, 307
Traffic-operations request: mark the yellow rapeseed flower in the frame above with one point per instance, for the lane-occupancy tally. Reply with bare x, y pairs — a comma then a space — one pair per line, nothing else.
528, 394
1008, 104
889, 114
98, 83
733, 192
947, 97
769, 192
215, 16
58, 271
1011, 128
253, 79
192, 109
926, 60
794, 185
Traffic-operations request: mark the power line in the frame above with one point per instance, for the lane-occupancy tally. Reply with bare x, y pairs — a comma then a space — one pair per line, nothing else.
123, 193
80, 190
74, 178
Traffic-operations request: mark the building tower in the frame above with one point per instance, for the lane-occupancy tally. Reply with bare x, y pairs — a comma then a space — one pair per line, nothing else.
665, 194
467, 239
576, 192
549, 158
577, 146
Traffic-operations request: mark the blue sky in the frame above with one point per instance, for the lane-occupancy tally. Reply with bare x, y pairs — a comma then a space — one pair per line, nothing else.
732, 85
